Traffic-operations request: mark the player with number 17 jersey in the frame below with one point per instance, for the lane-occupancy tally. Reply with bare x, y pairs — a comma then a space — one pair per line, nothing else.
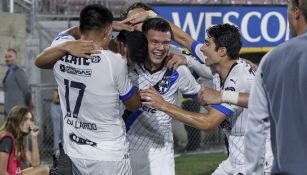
90, 93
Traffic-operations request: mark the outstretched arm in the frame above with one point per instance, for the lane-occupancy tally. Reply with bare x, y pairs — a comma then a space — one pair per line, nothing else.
209, 96
78, 48
206, 122
178, 35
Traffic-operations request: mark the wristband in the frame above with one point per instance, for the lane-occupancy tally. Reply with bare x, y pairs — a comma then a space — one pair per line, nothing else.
230, 97
152, 14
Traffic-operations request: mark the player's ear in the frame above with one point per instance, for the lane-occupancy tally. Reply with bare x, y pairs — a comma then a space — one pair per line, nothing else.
222, 51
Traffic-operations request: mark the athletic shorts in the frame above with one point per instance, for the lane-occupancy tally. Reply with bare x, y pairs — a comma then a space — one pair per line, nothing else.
152, 163
101, 167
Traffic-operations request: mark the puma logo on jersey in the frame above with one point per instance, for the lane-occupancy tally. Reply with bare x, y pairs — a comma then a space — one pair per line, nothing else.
76, 71
234, 81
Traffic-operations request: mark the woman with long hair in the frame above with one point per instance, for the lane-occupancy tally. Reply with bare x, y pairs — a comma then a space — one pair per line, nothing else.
13, 152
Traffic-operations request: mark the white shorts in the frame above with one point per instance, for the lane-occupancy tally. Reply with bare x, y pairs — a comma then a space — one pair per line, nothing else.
152, 163
226, 168
101, 167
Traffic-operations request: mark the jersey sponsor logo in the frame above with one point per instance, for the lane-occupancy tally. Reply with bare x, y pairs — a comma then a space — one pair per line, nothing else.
148, 109
76, 71
95, 59
76, 60
230, 88
81, 141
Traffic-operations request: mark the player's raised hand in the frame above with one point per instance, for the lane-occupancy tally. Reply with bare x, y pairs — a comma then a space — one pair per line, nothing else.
208, 96
82, 48
152, 97
119, 26
137, 18
174, 60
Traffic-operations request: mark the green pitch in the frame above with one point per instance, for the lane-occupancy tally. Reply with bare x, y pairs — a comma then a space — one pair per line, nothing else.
203, 164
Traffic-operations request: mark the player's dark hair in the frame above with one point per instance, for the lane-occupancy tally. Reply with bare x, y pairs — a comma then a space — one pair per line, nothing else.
135, 6
226, 35
136, 43
157, 24
95, 17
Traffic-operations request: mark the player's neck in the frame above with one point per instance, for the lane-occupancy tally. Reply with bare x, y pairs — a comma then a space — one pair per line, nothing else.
93, 37
152, 67
224, 68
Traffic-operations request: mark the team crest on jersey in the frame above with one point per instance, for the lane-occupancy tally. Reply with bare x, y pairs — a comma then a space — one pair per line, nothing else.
165, 84
76, 71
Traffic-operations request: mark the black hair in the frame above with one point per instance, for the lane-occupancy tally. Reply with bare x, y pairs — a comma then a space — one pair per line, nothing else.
135, 6
157, 24
136, 43
95, 17
226, 35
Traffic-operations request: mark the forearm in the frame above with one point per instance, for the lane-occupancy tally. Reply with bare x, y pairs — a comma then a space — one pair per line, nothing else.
35, 152
50, 56
197, 120
181, 37
201, 69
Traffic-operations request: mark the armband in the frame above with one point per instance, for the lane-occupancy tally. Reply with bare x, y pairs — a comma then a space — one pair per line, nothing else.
230, 97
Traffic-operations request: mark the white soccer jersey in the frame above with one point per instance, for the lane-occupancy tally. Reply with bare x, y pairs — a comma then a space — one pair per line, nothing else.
239, 79
90, 92
148, 128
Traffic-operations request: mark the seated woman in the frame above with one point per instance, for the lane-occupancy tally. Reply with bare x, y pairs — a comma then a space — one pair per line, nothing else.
13, 152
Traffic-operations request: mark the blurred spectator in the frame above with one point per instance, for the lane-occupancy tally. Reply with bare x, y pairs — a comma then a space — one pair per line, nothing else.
57, 121
15, 84
193, 133
13, 152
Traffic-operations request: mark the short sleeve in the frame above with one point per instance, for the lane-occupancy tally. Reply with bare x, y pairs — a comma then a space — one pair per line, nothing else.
195, 49
188, 86
121, 79
62, 37
6, 144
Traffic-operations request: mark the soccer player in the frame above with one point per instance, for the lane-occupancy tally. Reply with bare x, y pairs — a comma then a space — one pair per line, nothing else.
135, 16
90, 92
279, 95
149, 130
221, 48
